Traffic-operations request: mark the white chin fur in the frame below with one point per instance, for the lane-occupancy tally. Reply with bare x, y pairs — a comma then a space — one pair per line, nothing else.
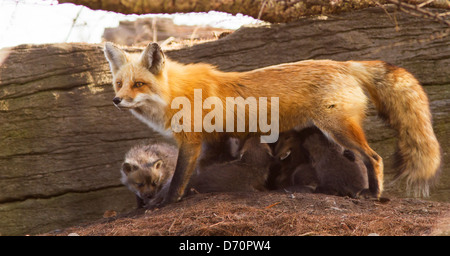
158, 127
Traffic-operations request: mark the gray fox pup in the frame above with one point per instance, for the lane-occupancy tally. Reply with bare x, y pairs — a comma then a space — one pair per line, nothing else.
148, 168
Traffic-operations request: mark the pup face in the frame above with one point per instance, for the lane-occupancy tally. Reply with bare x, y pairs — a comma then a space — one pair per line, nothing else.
284, 146
255, 152
144, 180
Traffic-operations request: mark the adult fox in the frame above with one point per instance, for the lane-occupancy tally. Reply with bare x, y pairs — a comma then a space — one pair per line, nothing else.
329, 94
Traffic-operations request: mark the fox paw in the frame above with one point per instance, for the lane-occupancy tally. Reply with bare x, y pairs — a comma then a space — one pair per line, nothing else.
367, 194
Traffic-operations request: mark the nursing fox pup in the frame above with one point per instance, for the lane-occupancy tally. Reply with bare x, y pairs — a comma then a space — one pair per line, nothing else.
307, 161
328, 94
247, 173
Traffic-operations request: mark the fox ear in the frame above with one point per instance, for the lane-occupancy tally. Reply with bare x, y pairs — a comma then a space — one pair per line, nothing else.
115, 56
284, 155
126, 168
153, 58
158, 164
269, 151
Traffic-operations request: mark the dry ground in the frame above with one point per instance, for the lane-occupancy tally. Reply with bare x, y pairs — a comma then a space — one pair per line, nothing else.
278, 214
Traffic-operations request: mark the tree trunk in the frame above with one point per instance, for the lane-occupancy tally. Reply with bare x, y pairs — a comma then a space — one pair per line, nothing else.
267, 10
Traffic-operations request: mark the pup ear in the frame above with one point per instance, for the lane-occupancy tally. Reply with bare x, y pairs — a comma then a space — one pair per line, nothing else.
126, 168
153, 58
115, 56
349, 155
158, 164
284, 155
269, 151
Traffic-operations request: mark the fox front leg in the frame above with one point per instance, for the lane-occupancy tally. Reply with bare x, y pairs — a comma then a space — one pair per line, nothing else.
186, 163
187, 160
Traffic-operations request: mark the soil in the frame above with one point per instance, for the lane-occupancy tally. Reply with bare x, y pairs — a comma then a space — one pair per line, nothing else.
276, 214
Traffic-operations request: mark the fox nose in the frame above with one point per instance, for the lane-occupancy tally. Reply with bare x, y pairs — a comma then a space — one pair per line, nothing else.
148, 194
117, 100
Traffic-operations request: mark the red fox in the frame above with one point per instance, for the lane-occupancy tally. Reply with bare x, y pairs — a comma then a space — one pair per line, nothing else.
329, 94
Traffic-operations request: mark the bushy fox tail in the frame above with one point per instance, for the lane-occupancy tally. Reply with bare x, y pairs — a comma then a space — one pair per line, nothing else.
401, 101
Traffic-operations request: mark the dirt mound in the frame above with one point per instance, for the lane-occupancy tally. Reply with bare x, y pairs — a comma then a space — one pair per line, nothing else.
278, 214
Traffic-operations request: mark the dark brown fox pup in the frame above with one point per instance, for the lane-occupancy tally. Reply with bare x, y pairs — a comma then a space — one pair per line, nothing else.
292, 169
224, 150
309, 159
248, 173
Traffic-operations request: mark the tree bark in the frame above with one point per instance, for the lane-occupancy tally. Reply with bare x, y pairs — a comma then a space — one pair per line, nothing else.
268, 10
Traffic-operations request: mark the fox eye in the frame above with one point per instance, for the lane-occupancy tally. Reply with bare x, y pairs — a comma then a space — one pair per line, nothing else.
119, 84
139, 185
138, 84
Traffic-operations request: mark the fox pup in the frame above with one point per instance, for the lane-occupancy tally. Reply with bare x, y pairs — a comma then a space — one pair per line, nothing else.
329, 169
292, 169
339, 171
224, 150
248, 173
290, 155
329, 94
147, 169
